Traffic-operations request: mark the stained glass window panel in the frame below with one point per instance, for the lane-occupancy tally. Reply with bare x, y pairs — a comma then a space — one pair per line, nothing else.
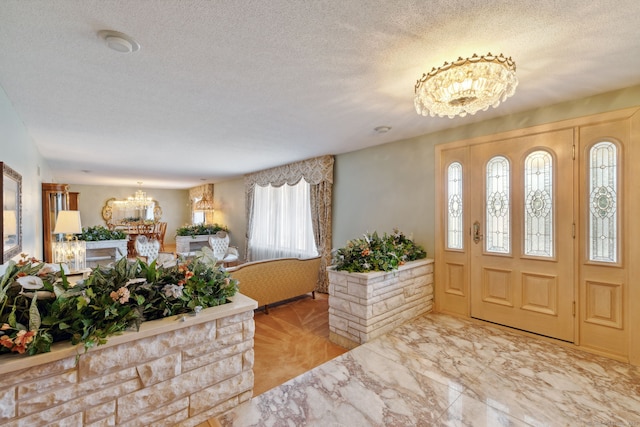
455, 236
538, 204
603, 202
498, 232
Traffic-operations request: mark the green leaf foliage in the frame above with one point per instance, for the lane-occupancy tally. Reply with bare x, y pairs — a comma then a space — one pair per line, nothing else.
375, 253
109, 301
99, 232
200, 229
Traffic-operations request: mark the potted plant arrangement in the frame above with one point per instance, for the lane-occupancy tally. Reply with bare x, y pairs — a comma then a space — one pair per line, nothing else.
100, 233
74, 353
192, 237
200, 229
376, 283
375, 253
103, 244
39, 306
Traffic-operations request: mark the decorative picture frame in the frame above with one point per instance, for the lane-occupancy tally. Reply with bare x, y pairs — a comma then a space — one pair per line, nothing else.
115, 213
11, 221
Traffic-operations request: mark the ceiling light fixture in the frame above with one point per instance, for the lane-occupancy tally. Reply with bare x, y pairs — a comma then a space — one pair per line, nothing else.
139, 201
119, 42
382, 129
466, 86
205, 204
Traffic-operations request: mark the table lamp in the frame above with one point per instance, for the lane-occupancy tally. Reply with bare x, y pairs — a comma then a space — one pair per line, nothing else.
71, 251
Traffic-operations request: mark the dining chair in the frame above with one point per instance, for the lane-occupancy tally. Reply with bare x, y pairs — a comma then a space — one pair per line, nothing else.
162, 230
147, 248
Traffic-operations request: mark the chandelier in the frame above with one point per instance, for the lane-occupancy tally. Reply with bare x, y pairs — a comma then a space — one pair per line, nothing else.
466, 86
139, 200
205, 204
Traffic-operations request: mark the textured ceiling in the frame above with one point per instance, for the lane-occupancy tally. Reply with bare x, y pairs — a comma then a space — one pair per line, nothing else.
222, 88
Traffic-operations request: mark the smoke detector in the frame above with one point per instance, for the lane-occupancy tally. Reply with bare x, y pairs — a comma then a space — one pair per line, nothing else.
119, 42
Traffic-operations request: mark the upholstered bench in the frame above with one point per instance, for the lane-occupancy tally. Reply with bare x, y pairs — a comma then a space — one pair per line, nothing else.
275, 280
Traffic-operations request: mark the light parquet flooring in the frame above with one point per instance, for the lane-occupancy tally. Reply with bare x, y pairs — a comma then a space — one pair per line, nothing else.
292, 339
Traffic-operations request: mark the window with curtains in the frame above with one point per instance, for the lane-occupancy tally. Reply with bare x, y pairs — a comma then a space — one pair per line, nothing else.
197, 217
282, 225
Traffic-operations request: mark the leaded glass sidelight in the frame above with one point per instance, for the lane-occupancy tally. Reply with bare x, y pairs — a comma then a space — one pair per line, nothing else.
538, 204
497, 236
603, 202
454, 207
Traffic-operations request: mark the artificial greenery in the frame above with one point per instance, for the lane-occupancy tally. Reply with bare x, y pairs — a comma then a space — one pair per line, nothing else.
131, 219
39, 306
375, 253
99, 232
199, 229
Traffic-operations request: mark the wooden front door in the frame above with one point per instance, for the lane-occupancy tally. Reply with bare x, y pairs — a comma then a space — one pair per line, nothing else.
522, 233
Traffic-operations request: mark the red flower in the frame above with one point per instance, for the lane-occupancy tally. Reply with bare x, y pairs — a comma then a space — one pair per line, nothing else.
6, 341
22, 340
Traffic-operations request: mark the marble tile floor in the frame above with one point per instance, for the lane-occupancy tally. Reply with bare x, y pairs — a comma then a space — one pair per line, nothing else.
444, 371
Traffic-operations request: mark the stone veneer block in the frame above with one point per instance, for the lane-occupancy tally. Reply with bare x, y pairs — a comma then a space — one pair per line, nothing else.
169, 373
186, 244
363, 306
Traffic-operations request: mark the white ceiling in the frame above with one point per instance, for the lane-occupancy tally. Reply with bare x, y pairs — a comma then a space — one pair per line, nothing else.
220, 88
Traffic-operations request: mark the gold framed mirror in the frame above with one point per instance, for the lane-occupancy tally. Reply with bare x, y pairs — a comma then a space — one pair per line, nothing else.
121, 213
11, 201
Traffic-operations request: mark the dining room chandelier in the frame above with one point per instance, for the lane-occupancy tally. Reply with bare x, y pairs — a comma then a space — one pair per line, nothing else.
139, 200
466, 86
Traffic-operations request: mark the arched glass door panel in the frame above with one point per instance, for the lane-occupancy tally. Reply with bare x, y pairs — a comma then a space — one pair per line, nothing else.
538, 205
455, 237
498, 232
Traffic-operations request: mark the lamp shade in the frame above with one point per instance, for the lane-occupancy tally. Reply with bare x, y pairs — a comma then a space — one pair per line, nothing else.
68, 222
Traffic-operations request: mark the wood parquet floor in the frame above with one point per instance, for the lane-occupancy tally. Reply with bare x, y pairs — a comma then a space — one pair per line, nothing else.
291, 340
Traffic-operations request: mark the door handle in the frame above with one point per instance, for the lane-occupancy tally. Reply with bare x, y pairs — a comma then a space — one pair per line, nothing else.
476, 232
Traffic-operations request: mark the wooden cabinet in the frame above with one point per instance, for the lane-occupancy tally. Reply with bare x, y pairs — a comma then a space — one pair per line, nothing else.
55, 198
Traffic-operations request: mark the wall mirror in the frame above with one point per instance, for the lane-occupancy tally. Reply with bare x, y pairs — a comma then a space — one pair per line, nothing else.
11, 201
118, 213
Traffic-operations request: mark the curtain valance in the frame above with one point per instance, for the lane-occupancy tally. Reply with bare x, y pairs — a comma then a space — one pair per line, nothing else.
199, 192
318, 172
314, 171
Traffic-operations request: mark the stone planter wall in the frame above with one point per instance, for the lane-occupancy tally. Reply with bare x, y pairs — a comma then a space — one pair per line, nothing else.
171, 372
103, 252
363, 306
187, 244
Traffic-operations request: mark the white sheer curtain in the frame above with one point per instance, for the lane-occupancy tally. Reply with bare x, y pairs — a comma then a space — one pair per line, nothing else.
282, 225
197, 217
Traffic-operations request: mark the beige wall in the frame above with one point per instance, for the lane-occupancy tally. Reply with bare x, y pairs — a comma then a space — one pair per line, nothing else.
229, 202
19, 152
176, 210
392, 185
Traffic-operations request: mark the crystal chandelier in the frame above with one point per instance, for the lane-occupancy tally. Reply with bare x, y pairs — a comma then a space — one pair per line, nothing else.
139, 200
466, 86
205, 204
